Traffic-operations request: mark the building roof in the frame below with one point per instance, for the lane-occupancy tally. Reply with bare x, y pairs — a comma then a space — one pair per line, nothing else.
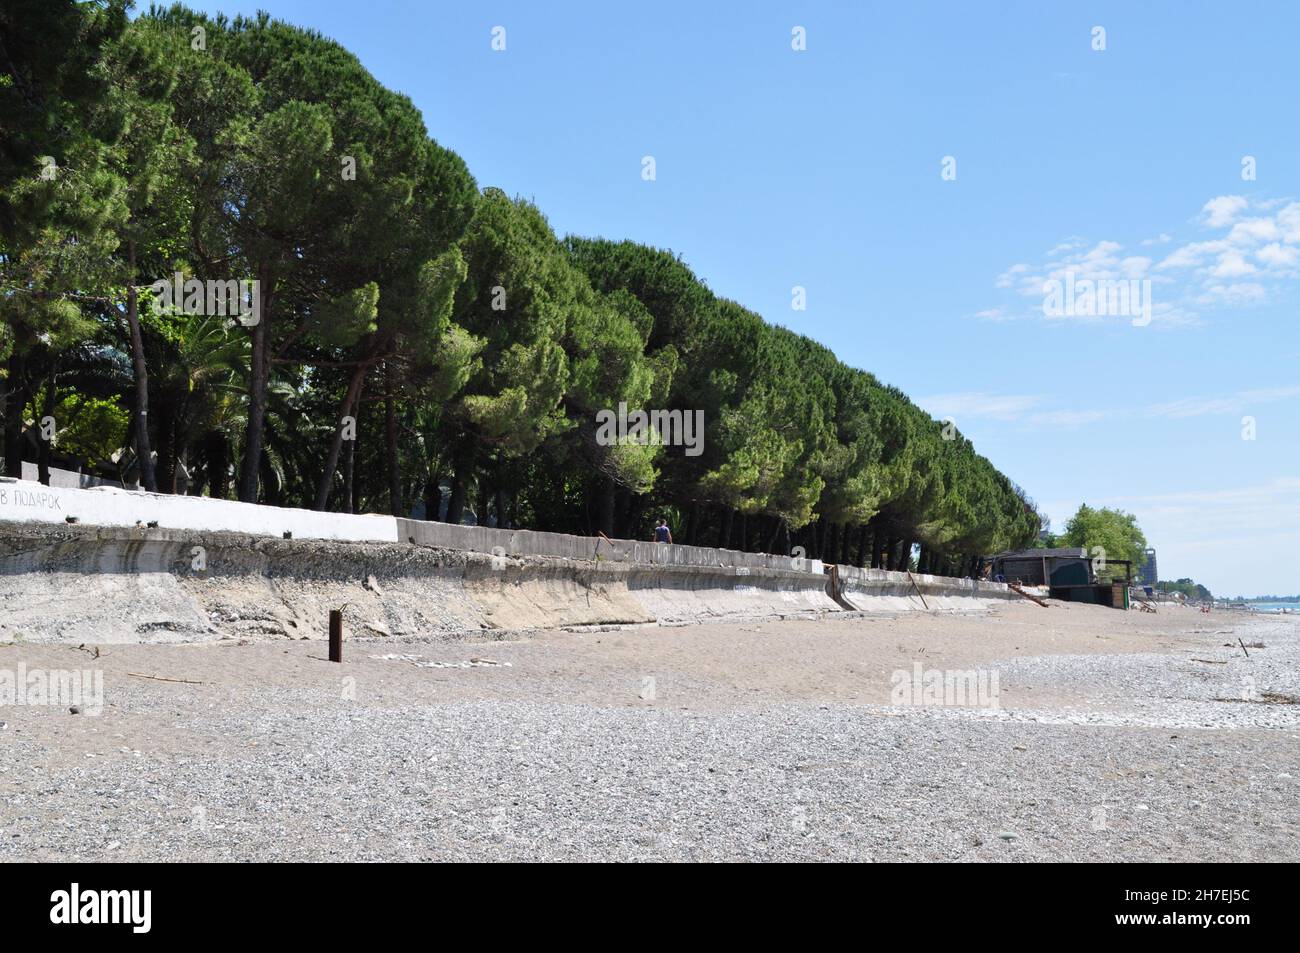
1079, 553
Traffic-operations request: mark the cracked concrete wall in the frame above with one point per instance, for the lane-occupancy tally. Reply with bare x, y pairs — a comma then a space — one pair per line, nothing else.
112, 578
76, 583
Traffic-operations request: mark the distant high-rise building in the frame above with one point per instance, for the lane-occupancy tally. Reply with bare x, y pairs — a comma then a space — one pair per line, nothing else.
1149, 575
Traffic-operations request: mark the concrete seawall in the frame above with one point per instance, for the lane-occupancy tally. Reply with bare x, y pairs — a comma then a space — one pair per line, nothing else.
218, 569
109, 584
870, 590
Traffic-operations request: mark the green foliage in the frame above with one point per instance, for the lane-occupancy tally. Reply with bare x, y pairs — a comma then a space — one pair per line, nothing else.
342, 320
469, 343
1115, 531
1193, 591
91, 428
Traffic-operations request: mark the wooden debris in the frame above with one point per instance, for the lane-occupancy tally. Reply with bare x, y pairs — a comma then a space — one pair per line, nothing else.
918, 590
1014, 587
159, 678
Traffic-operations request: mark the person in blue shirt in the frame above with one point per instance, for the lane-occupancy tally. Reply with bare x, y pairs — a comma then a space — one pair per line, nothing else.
662, 533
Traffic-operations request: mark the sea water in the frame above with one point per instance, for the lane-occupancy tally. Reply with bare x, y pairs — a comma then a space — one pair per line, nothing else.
1276, 606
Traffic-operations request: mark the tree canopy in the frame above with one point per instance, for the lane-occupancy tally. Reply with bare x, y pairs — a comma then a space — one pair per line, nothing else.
1116, 532
419, 344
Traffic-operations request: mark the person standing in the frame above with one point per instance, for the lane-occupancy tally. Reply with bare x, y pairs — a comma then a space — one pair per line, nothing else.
662, 533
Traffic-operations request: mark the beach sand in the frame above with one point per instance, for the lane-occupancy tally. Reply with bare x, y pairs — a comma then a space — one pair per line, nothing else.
1098, 735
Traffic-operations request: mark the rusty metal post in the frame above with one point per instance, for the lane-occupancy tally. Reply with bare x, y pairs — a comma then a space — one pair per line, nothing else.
336, 635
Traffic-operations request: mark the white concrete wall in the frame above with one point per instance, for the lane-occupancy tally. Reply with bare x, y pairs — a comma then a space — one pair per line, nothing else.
522, 542
23, 500
65, 478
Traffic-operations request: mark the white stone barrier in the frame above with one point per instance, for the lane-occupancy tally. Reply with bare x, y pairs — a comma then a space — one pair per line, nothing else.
22, 500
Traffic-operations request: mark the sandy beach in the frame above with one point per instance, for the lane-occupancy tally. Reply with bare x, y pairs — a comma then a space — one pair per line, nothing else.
1097, 735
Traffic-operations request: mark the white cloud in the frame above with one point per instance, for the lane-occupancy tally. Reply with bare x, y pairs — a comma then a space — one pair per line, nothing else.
1232, 403
978, 405
1235, 295
1289, 221
1026, 408
1192, 254
1192, 529
1276, 255
1254, 230
1232, 264
1067, 418
1135, 266
1257, 240
1008, 277
1221, 211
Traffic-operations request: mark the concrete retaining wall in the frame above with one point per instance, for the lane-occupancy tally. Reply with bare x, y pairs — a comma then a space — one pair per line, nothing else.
22, 500
108, 576
112, 584
66, 479
881, 589
506, 542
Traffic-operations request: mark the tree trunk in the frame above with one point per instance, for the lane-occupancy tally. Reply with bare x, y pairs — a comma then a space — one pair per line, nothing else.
258, 379
774, 540
724, 531
481, 504
217, 454
142, 449
165, 471
862, 546
432, 496
605, 506
390, 442
455, 498
15, 402
336, 445
460, 478
271, 488
349, 476
47, 445
499, 502
692, 523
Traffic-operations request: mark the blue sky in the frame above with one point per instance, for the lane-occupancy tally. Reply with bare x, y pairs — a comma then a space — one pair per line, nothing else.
822, 169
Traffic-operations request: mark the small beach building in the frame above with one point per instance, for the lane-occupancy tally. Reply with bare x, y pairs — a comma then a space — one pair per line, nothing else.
1044, 567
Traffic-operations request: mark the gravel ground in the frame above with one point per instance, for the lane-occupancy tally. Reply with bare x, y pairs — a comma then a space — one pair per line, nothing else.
771, 740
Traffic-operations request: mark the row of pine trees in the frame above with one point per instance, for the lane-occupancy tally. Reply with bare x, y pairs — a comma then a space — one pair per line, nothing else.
421, 344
